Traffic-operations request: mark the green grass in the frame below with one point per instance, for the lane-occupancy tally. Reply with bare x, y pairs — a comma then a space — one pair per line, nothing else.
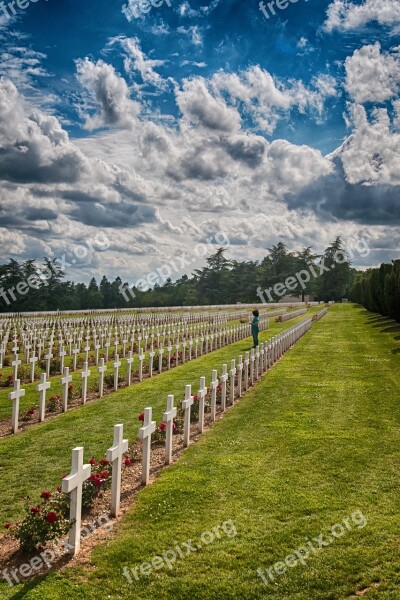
36, 458
316, 440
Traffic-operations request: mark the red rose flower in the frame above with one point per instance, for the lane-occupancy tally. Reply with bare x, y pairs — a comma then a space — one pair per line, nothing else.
195, 398
163, 426
93, 461
141, 416
173, 425
35, 509
31, 411
104, 461
7, 526
127, 462
45, 495
59, 489
51, 517
104, 474
9, 378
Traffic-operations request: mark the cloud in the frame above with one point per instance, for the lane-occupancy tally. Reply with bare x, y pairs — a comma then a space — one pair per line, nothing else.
372, 76
136, 60
371, 154
267, 99
199, 107
108, 93
193, 32
346, 16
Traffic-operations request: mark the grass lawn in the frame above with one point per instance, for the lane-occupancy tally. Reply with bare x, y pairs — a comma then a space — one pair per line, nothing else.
316, 443
36, 458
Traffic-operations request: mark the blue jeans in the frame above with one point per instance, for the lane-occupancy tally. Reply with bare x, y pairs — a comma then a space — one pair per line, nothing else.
255, 338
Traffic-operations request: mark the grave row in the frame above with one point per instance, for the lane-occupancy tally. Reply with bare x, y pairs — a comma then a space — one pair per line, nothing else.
191, 349
73, 341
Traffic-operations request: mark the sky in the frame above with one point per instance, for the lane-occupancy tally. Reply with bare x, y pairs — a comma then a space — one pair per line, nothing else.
135, 133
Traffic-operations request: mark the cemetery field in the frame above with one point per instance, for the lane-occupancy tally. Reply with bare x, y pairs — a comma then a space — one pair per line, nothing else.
36, 458
310, 453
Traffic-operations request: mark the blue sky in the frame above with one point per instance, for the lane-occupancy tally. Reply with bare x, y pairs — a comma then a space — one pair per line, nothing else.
284, 128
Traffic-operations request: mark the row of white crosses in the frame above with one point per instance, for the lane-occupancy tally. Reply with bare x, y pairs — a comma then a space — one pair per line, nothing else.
272, 353
236, 333
44, 385
74, 345
73, 484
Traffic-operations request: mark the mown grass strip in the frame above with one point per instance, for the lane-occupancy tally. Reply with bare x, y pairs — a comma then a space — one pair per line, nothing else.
316, 440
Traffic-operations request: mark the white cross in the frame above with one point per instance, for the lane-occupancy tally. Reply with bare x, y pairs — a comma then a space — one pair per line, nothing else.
214, 385
183, 351
65, 381
97, 348
33, 359
15, 396
41, 388
151, 358
62, 355
240, 369
186, 406
141, 359
169, 349
223, 379
145, 433
190, 348
116, 366
48, 358
27, 348
129, 362
160, 357
114, 455
15, 364
168, 418
232, 374
252, 359
84, 375
107, 345
177, 354
75, 352
72, 484
202, 393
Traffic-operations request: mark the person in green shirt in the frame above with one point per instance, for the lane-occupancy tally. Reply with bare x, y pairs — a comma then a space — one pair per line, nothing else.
255, 327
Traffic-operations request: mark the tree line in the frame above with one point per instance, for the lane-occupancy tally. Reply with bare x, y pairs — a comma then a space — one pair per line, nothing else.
220, 281
378, 290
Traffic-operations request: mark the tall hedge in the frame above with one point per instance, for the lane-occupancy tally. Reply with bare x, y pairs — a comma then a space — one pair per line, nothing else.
379, 290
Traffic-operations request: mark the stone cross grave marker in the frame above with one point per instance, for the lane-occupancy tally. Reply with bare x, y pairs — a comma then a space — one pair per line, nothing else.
145, 434
129, 361
168, 418
116, 366
33, 360
202, 393
65, 381
214, 385
186, 406
42, 387
72, 485
85, 374
15, 396
223, 379
101, 369
232, 374
114, 456
15, 364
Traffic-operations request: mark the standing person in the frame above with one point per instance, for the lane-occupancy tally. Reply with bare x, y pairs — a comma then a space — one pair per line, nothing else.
255, 327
